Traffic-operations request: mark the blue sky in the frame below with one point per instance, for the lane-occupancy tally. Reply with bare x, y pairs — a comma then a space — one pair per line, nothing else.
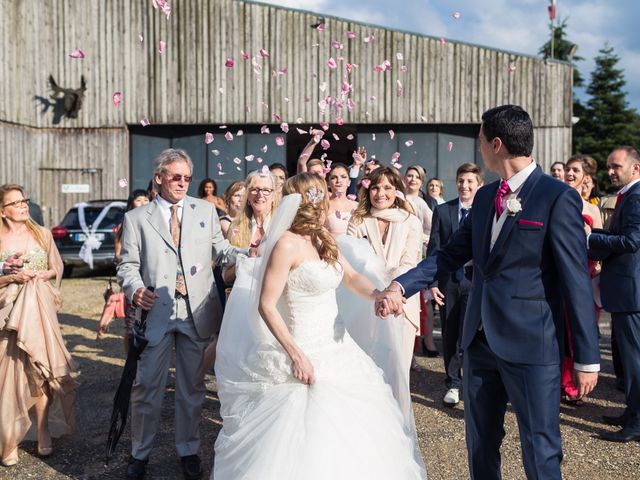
516, 25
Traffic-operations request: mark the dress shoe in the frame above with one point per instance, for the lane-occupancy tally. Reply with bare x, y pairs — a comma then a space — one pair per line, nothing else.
452, 397
45, 451
11, 459
191, 468
136, 469
619, 421
623, 436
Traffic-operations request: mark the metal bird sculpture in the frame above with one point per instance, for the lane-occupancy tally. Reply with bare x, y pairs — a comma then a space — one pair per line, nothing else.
71, 97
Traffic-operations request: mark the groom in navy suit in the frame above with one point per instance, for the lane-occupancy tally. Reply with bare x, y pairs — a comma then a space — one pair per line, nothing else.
526, 238
619, 250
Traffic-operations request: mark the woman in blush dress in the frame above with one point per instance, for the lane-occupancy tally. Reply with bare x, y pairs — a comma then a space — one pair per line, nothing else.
299, 398
386, 219
340, 206
35, 366
578, 170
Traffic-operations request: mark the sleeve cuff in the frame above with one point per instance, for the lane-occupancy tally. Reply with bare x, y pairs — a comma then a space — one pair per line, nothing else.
399, 285
581, 367
354, 172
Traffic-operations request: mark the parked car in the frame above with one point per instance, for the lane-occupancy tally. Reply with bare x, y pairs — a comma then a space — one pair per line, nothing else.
69, 236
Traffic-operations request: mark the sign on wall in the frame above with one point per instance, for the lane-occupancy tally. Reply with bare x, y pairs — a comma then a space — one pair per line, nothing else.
75, 188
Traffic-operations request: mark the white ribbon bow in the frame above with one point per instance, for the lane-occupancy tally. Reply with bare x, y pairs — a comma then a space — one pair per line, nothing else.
91, 242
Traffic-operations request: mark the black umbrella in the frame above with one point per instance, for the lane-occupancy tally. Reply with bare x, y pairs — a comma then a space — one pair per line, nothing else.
137, 343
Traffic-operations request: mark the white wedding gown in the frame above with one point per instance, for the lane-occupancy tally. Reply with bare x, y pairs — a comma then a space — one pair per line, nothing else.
347, 425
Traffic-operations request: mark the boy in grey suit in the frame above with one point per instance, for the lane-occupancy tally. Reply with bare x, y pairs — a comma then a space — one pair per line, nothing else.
169, 245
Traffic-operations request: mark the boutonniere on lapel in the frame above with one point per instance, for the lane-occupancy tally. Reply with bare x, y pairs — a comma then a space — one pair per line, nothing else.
513, 206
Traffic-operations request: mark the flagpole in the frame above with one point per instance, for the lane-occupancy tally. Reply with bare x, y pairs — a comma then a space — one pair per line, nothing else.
552, 17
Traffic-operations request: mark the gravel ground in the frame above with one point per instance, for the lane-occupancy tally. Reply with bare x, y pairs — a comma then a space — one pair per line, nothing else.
440, 429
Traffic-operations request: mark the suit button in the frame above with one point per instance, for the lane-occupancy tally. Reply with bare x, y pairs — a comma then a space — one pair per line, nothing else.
166, 251
164, 303
166, 276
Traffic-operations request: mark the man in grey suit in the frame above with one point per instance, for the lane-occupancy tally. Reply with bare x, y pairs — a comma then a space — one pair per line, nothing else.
170, 245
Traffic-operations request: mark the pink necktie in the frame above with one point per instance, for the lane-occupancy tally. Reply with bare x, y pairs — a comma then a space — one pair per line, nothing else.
503, 189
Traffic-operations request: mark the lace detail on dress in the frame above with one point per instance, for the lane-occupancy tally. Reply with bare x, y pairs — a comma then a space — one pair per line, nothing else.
38, 258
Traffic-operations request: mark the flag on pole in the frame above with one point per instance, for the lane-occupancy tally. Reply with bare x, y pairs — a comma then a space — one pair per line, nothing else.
552, 10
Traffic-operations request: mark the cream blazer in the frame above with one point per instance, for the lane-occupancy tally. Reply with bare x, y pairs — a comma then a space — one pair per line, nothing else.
401, 253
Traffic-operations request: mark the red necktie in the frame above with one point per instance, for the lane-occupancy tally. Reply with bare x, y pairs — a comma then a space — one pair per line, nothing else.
619, 198
503, 189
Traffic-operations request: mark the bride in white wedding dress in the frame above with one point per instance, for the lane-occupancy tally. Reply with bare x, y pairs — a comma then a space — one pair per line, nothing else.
300, 399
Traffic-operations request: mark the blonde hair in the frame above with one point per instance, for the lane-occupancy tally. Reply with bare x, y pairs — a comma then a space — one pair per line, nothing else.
309, 219
240, 228
364, 200
419, 170
231, 191
32, 226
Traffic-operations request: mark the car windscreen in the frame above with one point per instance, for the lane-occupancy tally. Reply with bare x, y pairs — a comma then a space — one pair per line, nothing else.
113, 218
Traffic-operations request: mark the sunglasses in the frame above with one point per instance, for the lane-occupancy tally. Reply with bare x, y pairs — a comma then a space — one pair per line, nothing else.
18, 203
177, 178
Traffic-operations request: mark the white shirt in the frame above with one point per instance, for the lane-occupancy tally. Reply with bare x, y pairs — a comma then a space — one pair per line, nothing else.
165, 208
626, 188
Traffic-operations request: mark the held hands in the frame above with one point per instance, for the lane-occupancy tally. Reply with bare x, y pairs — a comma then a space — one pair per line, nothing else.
389, 301
13, 264
585, 381
23, 276
302, 369
144, 298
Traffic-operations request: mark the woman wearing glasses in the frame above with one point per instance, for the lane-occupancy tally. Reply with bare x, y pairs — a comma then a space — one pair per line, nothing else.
252, 221
36, 367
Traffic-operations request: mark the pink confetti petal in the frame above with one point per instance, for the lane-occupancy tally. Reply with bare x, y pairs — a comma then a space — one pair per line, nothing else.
340, 121
323, 86
145, 122
399, 88
366, 183
123, 182
264, 169
408, 143
302, 132
456, 15
331, 63
442, 41
277, 117
219, 165
259, 159
369, 39
239, 133
403, 68
221, 90
399, 56
350, 136
162, 5
264, 129
323, 157
399, 194
141, 38
245, 55
351, 196
392, 134
215, 152
324, 126
336, 137
250, 158
449, 146
322, 27
284, 127
197, 267
162, 47
237, 161
264, 148
337, 45
395, 156
283, 71
264, 53
373, 137
77, 54
279, 141
228, 136
117, 98
512, 68
229, 63
208, 138
221, 172
351, 35
324, 143
238, 169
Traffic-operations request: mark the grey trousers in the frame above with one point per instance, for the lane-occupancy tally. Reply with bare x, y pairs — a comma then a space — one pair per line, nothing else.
151, 380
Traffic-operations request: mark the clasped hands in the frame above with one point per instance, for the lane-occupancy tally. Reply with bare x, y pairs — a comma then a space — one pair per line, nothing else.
389, 301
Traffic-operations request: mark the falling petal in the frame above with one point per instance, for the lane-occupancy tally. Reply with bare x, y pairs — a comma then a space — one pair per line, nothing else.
399, 88
229, 63
264, 149
395, 156
408, 143
399, 56
77, 54
351, 105
512, 68
337, 45
162, 47
323, 86
244, 54
321, 28
331, 63
323, 157
259, 160
302, 132
263, 53
449, 146
117, 98
239, 133
221, 90
219, 165
324, 126
286, 99
250, 158
221, 172
442, 41
279, 141
392, 134
228, 136
403, 68
351, 35
324, 143
339, 121
145, 122
373, 98
336, 137
456, 15
369, 39
284, 127
351, 196
400, 195
208, 138
423, 118
141, 38
215, 152
123, 182
373, 137
222, 127
238, 169
365, 183
237, 161
264, 129
277, 117
283, 71
350, 136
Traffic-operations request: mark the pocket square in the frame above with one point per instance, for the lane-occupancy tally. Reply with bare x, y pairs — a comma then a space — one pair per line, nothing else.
532, 223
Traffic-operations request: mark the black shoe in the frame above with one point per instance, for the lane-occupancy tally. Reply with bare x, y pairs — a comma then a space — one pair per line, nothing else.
136, 468
191, 468
619, 421
623, 436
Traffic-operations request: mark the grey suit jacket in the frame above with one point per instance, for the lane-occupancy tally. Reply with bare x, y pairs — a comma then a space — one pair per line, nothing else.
149, 258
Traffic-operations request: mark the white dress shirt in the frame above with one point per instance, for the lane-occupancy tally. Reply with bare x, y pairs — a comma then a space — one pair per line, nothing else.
165, 208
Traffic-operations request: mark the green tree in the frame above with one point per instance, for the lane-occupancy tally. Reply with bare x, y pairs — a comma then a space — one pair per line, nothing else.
563, 49
606, 120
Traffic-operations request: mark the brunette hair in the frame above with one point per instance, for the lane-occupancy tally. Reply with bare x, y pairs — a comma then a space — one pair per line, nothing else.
470, 168
230, 192
309, 219
589, 165
203, 184
33, 227
439, 182
364, 199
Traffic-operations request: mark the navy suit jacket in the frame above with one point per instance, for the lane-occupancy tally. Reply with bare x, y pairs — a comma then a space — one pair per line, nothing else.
443, 225
619, 249
538, 261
